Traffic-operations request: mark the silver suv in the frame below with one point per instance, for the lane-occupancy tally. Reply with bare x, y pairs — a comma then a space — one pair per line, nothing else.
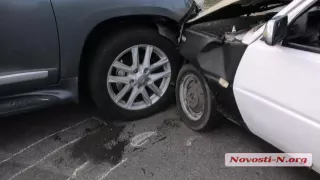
120, 53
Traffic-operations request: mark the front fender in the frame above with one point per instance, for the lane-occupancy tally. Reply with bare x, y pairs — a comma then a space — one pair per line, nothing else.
215, 57
76, 19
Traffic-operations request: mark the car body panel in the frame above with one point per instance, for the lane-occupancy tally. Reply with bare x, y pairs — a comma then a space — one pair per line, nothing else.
216, 59
217, 56
277, 91
208, 45
77, 18
42, 42
284, 82
29, 46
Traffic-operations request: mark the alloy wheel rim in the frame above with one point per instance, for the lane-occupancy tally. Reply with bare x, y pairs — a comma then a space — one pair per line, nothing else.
138, 77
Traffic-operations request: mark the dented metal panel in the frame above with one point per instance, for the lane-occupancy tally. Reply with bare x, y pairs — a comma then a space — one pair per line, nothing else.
221, 61
193, 42
214, 56
217, 58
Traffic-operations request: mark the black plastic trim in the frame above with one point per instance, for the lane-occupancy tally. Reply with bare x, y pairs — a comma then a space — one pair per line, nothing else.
302, 47
65, 91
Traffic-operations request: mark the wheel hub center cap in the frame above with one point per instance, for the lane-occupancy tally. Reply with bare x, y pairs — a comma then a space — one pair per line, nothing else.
142, 80
192, 99
195, 97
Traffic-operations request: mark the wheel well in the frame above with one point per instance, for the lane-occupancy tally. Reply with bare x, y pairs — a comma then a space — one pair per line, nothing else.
107, 28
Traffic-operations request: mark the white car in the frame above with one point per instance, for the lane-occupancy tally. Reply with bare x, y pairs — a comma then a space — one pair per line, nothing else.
263, 74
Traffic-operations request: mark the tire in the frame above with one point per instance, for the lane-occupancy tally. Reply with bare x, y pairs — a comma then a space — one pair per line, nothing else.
109, 50
207, 120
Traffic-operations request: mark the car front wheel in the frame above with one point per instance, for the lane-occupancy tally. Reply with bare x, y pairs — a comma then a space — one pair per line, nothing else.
196, 103
133, 73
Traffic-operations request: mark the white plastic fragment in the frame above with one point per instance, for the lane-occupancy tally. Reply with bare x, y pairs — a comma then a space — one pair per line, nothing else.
223, 83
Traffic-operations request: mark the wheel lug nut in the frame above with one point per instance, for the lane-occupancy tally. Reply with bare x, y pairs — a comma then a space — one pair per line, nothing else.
146, 71
131, 81
135, 71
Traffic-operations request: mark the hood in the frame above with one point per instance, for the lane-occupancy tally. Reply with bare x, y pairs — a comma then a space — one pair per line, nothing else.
234, 8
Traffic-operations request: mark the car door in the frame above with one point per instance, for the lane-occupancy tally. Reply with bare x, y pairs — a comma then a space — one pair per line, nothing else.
29, 48
277, 88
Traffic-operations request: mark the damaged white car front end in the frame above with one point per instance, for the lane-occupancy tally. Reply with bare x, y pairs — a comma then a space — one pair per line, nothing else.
249, 73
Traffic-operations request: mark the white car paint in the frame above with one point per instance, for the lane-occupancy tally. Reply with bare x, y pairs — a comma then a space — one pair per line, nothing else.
277, 90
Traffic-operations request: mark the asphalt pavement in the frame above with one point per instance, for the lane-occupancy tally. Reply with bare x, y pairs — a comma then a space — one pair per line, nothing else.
76, 143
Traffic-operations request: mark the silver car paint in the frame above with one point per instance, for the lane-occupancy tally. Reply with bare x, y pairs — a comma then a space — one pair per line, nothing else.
28, 38
49, 35
76, 18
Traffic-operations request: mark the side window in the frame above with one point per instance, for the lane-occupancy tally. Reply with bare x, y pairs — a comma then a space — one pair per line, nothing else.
304, 32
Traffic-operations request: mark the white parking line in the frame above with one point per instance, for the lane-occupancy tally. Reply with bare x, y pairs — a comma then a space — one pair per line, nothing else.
48, 155
113, 168
74, 174
33, 144
100, 121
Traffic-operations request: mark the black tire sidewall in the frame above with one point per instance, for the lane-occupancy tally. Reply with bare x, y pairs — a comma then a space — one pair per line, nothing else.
109, 49
205, 122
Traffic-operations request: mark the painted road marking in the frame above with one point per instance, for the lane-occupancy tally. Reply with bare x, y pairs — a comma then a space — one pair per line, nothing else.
100, 121
113, 168
50, 154
35, 143
74, 174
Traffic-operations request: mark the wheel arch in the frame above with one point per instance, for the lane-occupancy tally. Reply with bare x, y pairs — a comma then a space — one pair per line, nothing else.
166, 27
